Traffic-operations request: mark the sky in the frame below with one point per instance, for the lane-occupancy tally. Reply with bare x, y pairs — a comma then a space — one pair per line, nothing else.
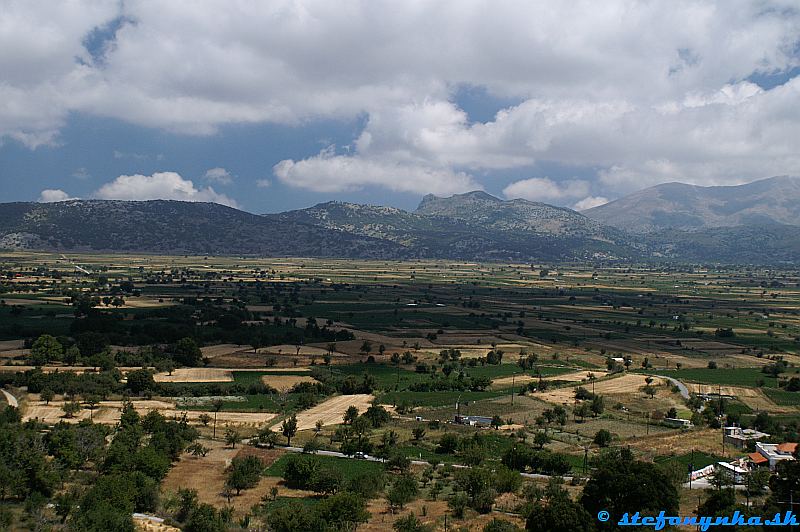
270, 106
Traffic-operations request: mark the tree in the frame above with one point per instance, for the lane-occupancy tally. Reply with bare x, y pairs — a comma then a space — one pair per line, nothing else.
479, 486
341, 511
410, 523
582, 410
140, 381
232, 437
403, 491
187, 353
72, 355
448, 443
560, 414
299, 470
216, 405
198, 449
45, 349
501, 525
458, 504
560, 513
497, 422
289, 428
205, 518
598, 405
327, 481
70, 408
418, 433
244, 473
266, 437
377, 415
46, 395
620, 484
350, 415
205, 419
602, 438
541, 439
92, 401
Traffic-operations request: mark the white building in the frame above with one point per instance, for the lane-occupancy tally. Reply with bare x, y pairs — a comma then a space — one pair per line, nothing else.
739, 437
772, 453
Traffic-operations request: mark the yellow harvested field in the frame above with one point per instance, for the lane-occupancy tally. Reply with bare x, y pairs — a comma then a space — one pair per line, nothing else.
108, 412
628, 383
285, 382
287, 349
679, 442
331, 411
212, 351
195, 375
503, 382
756, 399
146, 303
207, 475
11, 345
576, 376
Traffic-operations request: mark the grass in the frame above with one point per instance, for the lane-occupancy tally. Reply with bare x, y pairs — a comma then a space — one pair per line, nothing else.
255, 403
250, 377
349, 467
737, 407
386, 377
697, 459
438, 398
725, 376
306, 502
783, 397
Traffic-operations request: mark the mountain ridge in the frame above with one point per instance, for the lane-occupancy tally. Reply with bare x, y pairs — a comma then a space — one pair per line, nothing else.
469, 226
682, 206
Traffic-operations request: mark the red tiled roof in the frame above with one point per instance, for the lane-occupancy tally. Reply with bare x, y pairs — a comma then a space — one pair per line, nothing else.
787, 447
757, 458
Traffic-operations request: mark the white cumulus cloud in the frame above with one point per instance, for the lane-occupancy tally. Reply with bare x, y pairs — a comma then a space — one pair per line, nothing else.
51, 195
589, 202
327, 172
545, 189
636, 93
160, 185
218, 175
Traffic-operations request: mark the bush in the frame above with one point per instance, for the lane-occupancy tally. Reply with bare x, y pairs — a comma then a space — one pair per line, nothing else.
403, 491
448, 443
299, 471
244, 473
602, 438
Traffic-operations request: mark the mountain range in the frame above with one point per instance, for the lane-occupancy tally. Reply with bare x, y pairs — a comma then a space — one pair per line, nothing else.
754, 223
691, 207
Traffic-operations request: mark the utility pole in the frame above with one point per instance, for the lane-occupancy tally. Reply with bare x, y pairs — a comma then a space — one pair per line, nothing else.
585, 459
512, 387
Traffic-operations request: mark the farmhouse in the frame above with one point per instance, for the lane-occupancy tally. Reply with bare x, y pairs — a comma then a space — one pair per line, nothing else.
678, 423
473, 421
739, 437
772, 453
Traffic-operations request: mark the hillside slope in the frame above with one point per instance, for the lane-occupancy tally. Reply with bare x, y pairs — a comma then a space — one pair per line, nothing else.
688, 207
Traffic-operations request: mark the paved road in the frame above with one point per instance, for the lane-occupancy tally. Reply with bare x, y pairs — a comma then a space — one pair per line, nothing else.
12, 401
681, 386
